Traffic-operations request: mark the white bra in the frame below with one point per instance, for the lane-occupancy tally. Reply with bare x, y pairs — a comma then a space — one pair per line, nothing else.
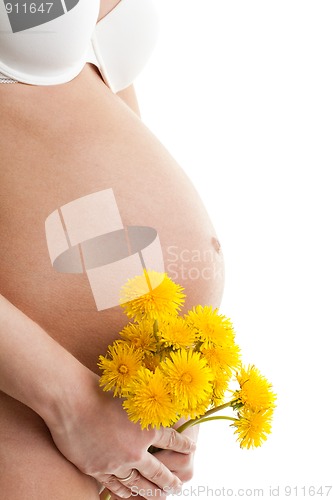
37, 50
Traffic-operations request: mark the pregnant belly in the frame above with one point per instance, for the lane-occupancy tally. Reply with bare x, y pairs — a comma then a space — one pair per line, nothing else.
63, 143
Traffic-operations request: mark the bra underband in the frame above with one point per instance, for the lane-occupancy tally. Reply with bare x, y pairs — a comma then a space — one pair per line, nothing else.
5, 79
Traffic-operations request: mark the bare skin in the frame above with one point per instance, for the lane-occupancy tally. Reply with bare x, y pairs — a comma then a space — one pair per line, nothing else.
59, 143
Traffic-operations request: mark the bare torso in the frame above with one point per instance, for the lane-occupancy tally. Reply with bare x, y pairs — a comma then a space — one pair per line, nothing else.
63, 142
59, 143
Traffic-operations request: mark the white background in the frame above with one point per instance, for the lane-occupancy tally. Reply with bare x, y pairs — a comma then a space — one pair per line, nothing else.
240, 92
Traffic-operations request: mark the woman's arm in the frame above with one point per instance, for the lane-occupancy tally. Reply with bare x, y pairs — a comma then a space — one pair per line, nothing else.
88, 426
34, 368
128, 95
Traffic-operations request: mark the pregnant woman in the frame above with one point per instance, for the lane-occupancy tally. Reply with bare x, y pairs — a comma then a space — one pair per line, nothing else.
70, 127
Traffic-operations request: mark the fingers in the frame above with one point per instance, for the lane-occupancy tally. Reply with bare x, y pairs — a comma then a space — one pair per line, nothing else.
169, 439
115, 486
152, 469
133, 485
179, 463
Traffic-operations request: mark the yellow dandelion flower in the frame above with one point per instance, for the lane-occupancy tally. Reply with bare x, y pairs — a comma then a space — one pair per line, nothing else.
197, 410
225, 359
222, 361
253, 427
212, 328
176, 333
151, 400
255, 391
189, 376
119, 366
220, 386
140, 335
151, 296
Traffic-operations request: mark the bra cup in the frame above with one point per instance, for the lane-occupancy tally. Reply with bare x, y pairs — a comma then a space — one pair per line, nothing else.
124, 40
51, 52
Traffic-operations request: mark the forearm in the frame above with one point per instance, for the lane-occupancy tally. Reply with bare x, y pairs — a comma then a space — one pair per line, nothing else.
34, 368
88, 427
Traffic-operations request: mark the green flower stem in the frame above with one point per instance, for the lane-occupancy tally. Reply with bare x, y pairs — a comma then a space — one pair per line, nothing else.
195, 421
216, 418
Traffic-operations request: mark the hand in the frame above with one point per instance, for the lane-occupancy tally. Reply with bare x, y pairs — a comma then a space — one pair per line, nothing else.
179, 463
94, 432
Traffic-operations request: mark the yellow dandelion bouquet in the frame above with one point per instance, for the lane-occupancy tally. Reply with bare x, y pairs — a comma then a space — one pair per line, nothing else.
167, 366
